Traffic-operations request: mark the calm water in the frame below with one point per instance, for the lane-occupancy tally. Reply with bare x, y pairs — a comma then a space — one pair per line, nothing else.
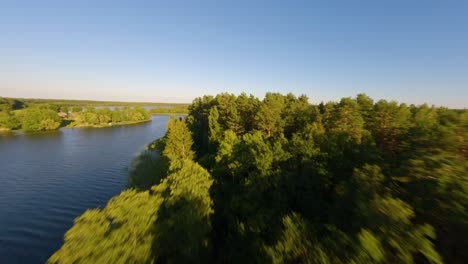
48, 179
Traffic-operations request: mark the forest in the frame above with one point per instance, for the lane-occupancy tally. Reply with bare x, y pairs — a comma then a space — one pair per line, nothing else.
48, 114
280, 180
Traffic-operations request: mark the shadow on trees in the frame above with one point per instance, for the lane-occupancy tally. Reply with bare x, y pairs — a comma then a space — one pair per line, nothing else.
65, 123
146, 170
182, 232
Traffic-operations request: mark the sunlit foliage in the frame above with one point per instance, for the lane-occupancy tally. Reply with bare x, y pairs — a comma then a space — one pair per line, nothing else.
119, 233
36, 119
39, 115
279, 180
91, 116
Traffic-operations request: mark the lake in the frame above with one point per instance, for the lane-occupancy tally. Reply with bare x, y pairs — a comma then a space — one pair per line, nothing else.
48, 179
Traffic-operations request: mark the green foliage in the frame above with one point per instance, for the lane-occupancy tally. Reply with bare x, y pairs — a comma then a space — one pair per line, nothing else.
104, 117
228, 117
184, 217
226, 149
147, 225
198, 123
147, 169
35, 114
138, 114
9, 121
91, 118
214, 126
284, 181
370, 249
295, 246
347, 120
170, 109
116, 116
22, 103
37, 119
389, 125
268, 118
119, 233
76, 109
178, 143
247, 108
9, 104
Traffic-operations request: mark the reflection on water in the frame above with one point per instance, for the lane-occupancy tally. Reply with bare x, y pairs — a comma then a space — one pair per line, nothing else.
49, 178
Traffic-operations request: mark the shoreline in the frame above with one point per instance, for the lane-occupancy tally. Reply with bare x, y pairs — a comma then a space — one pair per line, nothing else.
6, 130
108, 125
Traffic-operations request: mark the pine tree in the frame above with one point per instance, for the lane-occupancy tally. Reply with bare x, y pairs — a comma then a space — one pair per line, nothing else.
178, 143
183, 226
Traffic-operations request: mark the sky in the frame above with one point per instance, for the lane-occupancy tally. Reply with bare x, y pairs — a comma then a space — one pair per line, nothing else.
173, 51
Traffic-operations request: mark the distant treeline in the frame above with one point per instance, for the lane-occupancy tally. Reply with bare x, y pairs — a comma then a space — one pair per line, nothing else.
69, 103
176, 109
278, 180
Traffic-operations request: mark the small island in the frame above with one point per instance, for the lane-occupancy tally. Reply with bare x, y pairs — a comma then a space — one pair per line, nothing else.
48, 114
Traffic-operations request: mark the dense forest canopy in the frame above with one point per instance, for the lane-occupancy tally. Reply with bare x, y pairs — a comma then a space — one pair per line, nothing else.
279, 180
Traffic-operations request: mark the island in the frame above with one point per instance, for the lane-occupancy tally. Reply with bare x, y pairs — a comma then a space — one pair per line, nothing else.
52, 114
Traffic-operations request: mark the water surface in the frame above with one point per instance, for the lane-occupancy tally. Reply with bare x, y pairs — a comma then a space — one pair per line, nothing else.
48, 179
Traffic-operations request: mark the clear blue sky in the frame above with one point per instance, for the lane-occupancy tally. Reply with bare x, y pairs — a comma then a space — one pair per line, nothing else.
411, 51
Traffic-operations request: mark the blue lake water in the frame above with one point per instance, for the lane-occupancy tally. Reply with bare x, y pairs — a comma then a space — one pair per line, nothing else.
48, 179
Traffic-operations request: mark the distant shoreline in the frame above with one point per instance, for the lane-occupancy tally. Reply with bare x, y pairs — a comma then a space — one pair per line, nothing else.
7, 130
85, 102
108, 125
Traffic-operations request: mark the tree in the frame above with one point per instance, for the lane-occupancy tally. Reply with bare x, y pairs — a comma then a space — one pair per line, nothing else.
34, 119
366, 105
90, 118
284, 181
389, 219
76, 109
8, 120
147, 170
390, 126
104, 115
116, 116
347, 120
268, 118
183, 226
178, 143
198, 123
226, 149
214, 126
120, 233
295, 246
296, 114
229, 117
247, 106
